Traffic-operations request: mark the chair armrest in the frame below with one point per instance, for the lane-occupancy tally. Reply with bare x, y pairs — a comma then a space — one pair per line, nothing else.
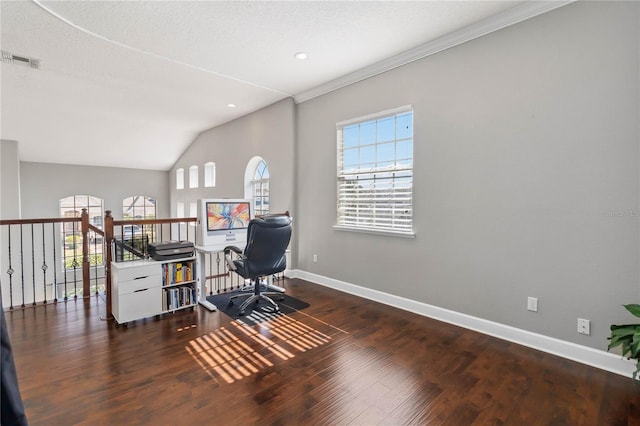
235, 249
227, 256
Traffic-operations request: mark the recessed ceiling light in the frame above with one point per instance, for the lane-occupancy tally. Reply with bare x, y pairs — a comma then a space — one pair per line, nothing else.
301, 55
231, 105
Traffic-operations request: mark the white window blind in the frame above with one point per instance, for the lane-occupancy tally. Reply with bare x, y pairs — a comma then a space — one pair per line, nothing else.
375, 172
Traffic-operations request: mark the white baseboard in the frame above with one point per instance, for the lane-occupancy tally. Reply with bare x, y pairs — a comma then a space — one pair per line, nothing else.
582, 354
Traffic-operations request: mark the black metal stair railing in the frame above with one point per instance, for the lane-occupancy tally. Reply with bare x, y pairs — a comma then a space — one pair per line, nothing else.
58, 259
47, 260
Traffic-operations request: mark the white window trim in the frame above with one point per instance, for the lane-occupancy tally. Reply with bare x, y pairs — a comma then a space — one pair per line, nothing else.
180, 178
144, 199
374, 116
210, 174
372, 231
249, 181
379, 231
193, 177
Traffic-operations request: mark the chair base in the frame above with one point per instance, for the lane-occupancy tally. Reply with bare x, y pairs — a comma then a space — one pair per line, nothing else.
265, 287
255, 298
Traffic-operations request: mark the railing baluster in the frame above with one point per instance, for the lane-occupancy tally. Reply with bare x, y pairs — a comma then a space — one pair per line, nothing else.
218, 273
33, 266
44, 267
74, 263
95, 260
22, 264
215, 278
55, 265
10, 271
64, 264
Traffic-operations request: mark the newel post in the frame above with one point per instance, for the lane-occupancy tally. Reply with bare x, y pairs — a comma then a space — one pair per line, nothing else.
108, 235
84, 228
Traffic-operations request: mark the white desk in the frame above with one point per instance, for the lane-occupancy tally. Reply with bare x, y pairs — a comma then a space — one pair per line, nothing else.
218, 249
203, 252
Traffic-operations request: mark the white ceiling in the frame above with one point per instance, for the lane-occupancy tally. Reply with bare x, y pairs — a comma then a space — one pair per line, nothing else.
131, 84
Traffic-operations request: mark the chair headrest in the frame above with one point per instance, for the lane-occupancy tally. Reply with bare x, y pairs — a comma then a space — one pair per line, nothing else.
273, 220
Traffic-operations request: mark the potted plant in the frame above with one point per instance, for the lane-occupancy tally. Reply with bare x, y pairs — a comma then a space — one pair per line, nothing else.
629, 337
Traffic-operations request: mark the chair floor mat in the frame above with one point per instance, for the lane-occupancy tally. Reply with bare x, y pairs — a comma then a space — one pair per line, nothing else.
256, 313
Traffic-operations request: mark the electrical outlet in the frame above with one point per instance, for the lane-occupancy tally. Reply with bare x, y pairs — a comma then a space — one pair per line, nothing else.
532, 304
315, 258
584, 326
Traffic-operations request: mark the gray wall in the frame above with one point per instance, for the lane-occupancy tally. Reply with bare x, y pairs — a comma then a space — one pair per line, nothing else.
526, 169
9, 180
9, 194
44, 184
267, 133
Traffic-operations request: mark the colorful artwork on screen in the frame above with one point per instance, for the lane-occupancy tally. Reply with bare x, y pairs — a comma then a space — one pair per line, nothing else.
227, 215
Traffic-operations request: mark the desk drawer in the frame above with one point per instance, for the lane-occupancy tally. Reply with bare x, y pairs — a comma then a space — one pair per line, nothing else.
142, 304
139, 284
139, 271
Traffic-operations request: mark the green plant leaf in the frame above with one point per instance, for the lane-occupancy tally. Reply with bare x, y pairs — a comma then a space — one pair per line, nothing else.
623, 335
614, 342
628, 336
623, 330
634, 308
635, 344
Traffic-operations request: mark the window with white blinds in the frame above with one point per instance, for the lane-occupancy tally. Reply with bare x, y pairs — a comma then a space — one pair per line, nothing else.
375, 172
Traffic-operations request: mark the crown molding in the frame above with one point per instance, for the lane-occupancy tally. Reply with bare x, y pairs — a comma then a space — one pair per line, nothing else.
519, 13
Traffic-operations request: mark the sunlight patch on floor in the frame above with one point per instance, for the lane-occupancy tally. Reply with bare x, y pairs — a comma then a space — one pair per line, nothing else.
243, 350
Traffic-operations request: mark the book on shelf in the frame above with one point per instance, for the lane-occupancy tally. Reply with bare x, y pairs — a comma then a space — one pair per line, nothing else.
178, 297
177, 272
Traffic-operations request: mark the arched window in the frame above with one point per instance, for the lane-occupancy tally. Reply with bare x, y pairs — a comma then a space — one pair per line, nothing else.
210, 174
180, 178
193, 177
257, 184
138, 207
71, 240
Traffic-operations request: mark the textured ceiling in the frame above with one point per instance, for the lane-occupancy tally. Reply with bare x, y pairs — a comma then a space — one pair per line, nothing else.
131, 84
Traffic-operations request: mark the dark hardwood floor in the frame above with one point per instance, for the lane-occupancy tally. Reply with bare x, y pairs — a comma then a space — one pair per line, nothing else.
341, 361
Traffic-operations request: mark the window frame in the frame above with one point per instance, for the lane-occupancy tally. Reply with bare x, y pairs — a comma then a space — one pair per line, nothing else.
210, 174
139, 202
180, 178
74, 204
259, 184
394, 177
194, 177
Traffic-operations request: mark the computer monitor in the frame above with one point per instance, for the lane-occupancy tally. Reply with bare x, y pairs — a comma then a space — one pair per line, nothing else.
223, 220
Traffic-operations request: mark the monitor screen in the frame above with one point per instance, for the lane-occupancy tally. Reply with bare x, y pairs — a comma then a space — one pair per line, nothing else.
228, 215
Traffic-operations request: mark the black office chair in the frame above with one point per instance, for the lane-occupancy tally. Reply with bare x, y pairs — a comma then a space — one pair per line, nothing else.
267, 240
